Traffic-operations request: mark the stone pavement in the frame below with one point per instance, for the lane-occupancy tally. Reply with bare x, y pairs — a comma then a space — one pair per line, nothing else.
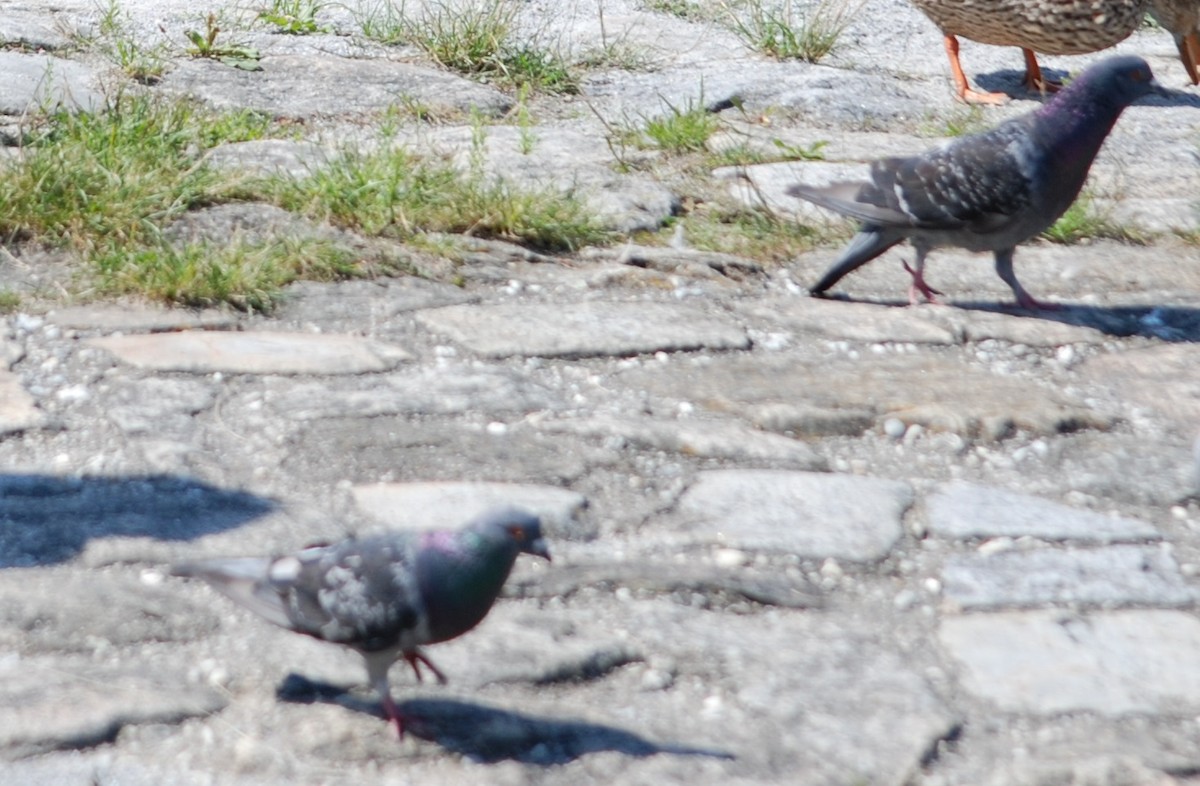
796, 541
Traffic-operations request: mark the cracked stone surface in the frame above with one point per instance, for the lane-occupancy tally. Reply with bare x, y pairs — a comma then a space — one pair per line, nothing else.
796, 541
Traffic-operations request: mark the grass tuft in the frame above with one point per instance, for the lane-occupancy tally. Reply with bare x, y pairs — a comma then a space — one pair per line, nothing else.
1085, 220
786, 32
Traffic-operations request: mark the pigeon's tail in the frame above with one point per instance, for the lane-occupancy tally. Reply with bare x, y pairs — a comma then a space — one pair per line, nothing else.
869, 243
855, 200
244, 580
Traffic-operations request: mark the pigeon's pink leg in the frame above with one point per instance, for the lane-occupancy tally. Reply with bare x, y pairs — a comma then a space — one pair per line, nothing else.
1004, 269
393, 713
415, 658
918, 283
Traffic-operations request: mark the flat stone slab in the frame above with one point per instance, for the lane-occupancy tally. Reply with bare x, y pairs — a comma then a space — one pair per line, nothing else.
140, 318
1112, 576
935, 392
430, 391
450, 504
319, 84
714, 439
34, 81
258, 352
811, 514
1164, 378
18, 409
61, 702
849, 321
1048, 662
969, 510
584, 329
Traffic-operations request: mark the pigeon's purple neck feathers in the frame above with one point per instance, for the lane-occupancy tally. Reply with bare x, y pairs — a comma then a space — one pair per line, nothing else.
1072, 127
460, 575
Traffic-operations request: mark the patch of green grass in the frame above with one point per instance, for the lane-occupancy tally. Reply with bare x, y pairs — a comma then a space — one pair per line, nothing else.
140, 63
294, 17
476, 38
247, 276
961, 121
103, 185
1085, 220
235, 54
752, 233
787, 33
10, 301
684, 9
395, 193
682, 130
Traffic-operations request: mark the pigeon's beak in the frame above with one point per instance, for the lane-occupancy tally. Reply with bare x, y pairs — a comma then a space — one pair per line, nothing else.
537, 547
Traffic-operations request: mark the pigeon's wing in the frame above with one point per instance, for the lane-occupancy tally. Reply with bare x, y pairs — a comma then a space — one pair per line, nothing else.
361, 593
977, 183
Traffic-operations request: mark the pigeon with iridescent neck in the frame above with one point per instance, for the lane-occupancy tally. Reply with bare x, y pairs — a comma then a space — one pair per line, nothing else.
386, 595
989, 191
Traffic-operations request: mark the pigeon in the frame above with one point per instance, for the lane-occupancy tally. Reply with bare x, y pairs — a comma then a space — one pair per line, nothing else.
384, 595
988, 191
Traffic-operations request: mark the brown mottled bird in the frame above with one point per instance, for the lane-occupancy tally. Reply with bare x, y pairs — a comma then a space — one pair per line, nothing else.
1182, 18
1053, 27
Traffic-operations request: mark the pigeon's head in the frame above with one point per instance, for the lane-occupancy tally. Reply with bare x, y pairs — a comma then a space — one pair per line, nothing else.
1122, 80
524, 528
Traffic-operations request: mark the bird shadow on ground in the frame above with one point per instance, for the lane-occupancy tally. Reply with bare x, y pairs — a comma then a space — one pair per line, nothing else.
1173, 324
488, 734
45, 519
1012, 84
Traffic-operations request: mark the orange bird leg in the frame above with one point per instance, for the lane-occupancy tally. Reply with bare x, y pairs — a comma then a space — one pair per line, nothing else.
1189, 53
1033, 75
962, 90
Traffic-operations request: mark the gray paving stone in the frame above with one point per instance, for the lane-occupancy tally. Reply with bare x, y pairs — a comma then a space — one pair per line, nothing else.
155, 406
139, 318
1163, 378
1112, 576
584, 329
979, 325
31, 31
968, 510
440, 504
717, 439
1109, 663
259, 352
61, 702
35, 80
303, 86
18, 409
811, 514
935, 392
49, 611
443, 391
850, 321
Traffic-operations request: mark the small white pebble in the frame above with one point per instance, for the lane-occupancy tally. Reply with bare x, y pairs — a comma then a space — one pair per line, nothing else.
686, 408
72, 393
894, 428
830, 569
932, 585
1179, 512
151, 577
1065, 354
496, 428
995, 545
729, 558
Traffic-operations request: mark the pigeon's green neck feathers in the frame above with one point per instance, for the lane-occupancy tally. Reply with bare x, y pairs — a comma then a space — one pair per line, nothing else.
460, 575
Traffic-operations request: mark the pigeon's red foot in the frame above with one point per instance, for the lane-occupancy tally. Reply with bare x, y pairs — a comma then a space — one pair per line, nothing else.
393, 714
1037, 305
919, 286
416, 658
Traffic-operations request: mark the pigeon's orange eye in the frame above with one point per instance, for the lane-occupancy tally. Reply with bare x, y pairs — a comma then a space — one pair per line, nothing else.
517, 533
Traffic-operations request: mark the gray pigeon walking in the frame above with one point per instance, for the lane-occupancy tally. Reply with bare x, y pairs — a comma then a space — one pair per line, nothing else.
385, 595
989, 191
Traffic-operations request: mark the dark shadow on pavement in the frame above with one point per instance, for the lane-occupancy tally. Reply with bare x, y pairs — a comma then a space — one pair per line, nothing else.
487, 734
1172, 324
46, 519
1012, 83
